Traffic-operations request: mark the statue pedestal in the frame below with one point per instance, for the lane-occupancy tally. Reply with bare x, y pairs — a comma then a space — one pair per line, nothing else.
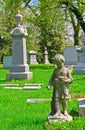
61, 117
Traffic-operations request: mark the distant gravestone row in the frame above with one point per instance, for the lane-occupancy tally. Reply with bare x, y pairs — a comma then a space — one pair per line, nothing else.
74, 55
32, 59
70, 55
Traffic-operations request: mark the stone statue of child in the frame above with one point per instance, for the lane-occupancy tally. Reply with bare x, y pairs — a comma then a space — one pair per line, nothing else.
60, 79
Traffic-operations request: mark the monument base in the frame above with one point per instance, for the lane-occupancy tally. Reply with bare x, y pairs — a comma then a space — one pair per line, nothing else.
61, 117
80, 68
81, 106
33, 62
19, 75
79, 71
19, 68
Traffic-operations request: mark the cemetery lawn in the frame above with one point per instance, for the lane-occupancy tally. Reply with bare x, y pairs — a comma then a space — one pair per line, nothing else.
17, 114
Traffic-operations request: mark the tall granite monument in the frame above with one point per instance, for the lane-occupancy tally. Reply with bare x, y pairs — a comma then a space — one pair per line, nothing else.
19, 68
80, 67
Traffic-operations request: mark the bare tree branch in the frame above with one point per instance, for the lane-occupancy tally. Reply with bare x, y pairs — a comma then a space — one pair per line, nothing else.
26, 2
77, 14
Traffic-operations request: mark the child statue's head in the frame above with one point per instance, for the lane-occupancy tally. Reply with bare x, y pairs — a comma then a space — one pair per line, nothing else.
59, 60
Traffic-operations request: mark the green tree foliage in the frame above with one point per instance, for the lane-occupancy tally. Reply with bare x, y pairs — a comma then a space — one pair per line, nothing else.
7, 22
52, 28
5, 46
8, 10
45, 26
75, 13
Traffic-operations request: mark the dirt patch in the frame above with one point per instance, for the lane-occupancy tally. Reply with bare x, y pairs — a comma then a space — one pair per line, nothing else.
77, 95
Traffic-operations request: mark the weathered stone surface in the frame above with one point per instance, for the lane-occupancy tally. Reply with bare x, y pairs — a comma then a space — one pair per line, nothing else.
7, 62
80, 67
19, 75
32, 59
33, 100
60, 80
26, 86
70, 55
46, 61
10, 85
19, 68
32, 86
18, 88
81, 105
61, 117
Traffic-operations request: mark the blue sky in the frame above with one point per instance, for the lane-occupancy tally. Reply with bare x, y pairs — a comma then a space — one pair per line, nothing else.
33, 2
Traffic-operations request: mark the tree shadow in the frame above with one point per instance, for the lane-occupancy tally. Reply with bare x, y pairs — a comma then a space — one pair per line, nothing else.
74, 113
2, 81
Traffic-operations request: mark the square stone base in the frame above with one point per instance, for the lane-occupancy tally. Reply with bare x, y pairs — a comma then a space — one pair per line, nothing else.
81, 103
18, 76
79, 71
80, 68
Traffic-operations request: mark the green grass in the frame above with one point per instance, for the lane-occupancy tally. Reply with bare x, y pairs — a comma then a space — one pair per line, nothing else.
17, 114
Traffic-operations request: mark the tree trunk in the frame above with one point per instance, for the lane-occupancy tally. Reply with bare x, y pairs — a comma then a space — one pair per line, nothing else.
76, 40
76, 34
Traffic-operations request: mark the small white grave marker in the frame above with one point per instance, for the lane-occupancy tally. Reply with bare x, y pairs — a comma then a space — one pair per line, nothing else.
33, 100
32, 86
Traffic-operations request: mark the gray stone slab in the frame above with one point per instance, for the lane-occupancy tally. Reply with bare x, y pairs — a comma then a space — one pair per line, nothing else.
7, 61
32, 57
26, 86
10, 85
32, 86
33, 100
70, 55
81, 106
80, 67
19, 75
19, 88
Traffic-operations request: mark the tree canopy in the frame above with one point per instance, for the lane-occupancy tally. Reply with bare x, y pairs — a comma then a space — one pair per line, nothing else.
52, 28
45, 23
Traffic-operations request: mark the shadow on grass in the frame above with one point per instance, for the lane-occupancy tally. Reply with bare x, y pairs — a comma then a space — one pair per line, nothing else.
2, 81
49, 66
74, 113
